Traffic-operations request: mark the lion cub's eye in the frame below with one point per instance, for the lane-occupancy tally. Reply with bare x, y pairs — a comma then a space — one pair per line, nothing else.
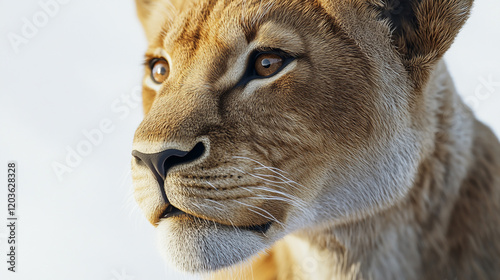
159, 70
267, 64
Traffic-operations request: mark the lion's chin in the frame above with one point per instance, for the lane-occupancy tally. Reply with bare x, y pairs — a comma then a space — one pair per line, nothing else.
198, 246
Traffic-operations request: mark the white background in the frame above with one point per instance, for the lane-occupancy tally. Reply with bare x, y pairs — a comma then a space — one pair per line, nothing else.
66, 79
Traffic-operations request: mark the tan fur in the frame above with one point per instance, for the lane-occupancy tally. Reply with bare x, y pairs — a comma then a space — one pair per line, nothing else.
360, 151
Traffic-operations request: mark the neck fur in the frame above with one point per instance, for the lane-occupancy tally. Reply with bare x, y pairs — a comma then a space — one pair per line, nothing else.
410, 239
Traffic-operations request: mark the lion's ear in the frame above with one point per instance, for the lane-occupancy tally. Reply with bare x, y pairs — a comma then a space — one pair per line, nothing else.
154, 14
423, 30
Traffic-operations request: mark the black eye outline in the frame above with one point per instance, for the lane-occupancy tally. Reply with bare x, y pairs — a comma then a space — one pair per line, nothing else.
251, 74
152, 63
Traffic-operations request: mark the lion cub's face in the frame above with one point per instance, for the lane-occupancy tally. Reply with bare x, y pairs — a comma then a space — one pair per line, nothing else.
268, 117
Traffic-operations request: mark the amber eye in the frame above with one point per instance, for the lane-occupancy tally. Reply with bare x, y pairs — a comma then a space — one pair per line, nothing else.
267, 64
159, 70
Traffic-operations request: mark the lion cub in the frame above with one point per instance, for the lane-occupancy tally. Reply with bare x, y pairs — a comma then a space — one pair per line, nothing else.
313, 139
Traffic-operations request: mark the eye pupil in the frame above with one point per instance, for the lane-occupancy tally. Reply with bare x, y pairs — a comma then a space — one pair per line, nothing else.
266, 63
160, 71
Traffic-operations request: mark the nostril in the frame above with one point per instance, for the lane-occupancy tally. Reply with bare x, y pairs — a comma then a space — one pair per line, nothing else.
195, 153
160, 163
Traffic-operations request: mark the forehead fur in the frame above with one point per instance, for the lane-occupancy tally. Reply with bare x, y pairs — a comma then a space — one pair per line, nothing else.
222, 19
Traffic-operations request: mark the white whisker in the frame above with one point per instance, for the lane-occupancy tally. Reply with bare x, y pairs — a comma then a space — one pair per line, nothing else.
273, 169
277, 198
218, 208
282, 179
216, 202
211, 185
252, 206
258, 177
285, 179
259, 163
286, 195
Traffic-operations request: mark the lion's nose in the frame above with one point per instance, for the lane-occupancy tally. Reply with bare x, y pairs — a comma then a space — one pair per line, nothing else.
160, 163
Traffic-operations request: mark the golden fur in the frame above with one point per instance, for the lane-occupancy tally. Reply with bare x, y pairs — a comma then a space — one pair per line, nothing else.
360, 152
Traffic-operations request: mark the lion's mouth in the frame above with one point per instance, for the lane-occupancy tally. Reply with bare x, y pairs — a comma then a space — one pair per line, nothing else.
172, 211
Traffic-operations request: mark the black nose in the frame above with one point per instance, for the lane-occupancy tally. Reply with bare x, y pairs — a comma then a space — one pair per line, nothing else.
161, 162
